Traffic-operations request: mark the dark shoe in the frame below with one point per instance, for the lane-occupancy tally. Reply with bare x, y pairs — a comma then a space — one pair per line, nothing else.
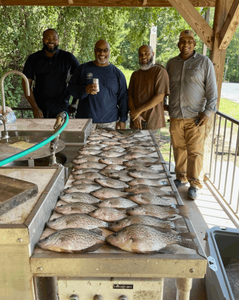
192, 193
179, 183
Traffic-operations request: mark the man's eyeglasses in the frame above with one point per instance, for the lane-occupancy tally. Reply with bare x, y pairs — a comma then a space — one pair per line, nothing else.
106, 50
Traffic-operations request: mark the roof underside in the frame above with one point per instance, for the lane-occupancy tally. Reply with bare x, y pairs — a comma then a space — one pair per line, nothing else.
106, 3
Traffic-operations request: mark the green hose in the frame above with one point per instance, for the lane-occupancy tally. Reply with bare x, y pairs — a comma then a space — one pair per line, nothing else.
35, 147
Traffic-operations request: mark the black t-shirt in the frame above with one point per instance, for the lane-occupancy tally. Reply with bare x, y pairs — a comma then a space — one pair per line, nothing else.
50, 77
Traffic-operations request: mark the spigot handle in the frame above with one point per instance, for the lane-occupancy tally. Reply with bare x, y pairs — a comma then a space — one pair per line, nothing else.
74, 297
98, 297
59, 120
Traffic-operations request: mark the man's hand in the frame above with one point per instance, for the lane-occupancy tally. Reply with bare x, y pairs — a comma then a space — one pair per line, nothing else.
134, 114
120, 125
138, 122
91, 89
37, 113
72, 108
202, 119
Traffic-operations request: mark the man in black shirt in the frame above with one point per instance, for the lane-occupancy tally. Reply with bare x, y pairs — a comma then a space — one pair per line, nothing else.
48, 72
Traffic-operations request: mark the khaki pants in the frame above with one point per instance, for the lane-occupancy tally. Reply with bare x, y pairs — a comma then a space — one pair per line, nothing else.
188, 148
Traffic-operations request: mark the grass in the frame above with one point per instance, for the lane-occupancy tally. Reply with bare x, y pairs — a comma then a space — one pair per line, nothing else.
229, 108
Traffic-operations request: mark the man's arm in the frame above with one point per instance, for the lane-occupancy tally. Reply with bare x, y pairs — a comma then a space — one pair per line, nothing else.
155, 100
122, 102
37, 113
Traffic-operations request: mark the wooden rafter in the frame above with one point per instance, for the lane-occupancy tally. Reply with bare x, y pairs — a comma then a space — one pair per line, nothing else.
195, 20
229, 26
107, 3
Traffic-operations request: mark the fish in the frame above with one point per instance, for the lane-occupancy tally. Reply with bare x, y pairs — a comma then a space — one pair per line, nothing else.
148, 198
76, 220
121, 175
137, 163
105, 193
134, 155
110, 154
162, 212
149, 150
108, 214
114, 167
89, 152
114, 148
112, 143
82, 159
82, 171
150, 182
148, 175
112, 160
111, 183
107, 134
76, 207
90, 165
139, 189
118, 202
83, 188
72, 240
140, 238
82, 181
89, 175
145, 220
95, 138
78, 197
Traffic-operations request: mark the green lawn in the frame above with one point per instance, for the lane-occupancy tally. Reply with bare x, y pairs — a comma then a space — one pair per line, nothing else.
229, 108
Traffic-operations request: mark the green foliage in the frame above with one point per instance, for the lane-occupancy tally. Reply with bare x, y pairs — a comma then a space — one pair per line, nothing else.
126, 29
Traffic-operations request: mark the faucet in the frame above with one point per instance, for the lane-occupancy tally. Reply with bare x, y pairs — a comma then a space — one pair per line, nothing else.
4, 114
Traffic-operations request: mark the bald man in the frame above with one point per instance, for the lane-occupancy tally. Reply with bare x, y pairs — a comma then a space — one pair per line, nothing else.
147, 89
106, 104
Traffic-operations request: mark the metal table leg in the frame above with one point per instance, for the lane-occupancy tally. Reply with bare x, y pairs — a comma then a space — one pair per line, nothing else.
184, 286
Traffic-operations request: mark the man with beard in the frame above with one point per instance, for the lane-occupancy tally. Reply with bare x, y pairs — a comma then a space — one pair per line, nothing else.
48, 72
147, 89
192, 100
106, 103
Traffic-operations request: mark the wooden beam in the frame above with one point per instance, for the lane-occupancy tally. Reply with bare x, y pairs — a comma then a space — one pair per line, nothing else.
107, 3
229, 26
217, 55
195, 20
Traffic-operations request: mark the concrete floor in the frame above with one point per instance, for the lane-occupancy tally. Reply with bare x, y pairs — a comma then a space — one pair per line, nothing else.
204, 213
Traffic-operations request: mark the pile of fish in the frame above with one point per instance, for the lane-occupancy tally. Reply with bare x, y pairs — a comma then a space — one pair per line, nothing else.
118, 185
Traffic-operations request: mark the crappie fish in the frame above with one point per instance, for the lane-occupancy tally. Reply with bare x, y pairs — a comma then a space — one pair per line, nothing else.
89, 175
118, 202
121, 175
140, 189
76, 207
79, 197
110, 154
95, 138
112, 143
150, 182
72, 240
148, 198
107, 134
76, 221
82, 159
161, 212
114, 167
145, 239
82, 181
143, 150
145, 220
108, 214
90, 165
114, 148
83, 171
142, 168
111, 183
112, 160
148, 175
83, 188
134, 155
89, 152
105, 193
137, 163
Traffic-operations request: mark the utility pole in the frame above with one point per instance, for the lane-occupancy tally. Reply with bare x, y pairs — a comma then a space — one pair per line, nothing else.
153, 40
